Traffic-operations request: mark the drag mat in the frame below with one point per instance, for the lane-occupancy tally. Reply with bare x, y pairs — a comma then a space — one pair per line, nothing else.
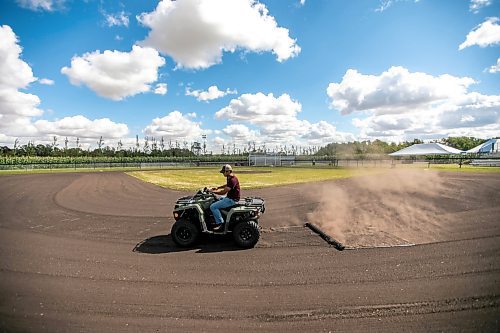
330, 240
92, 253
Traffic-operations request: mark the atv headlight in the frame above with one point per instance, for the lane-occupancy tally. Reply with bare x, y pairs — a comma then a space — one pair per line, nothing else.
177, 215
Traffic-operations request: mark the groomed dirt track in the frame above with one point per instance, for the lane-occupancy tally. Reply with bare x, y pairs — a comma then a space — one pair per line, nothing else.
91, 252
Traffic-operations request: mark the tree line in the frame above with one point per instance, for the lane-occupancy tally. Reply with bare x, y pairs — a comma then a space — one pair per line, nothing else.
378, 147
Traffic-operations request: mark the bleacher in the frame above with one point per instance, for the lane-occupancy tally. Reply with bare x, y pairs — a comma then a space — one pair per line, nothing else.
486, 162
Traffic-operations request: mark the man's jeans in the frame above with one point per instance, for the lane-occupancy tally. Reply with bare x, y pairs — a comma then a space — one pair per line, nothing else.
222, 203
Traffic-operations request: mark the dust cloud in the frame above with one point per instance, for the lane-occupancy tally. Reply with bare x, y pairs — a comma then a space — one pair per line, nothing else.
398, 207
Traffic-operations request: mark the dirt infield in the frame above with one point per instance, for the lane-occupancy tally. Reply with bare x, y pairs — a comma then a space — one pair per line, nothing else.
92, 253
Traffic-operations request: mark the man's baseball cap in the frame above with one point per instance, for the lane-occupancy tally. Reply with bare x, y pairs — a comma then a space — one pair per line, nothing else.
225, 168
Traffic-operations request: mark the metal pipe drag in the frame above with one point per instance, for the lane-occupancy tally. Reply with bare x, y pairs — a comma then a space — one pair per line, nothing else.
339, 246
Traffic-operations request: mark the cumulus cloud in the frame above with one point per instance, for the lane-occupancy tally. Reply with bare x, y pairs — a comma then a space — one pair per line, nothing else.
240, 133
260, 108
117, 19
47, 82
14, 72
402, 105
324, 132
114, 74
385, 4
16, 106
47, 5
195, 33
174, 126
476, 5
276, 120
486, 33
160, 89
212, 93
394, 91
82, 127
495, 68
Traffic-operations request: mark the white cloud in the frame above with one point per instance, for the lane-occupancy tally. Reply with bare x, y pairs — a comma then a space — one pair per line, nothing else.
276, 120
195, 33
174, 126
81, 127
118, 19
14, 72
16, 107
14, 102
495, 68
239, 133
385, 4
115, 74
48, 5
302, 2
394, 91
323, 132
476, 5
161, 89
47, 82
401, 105
260, 108
486, 33
212, 93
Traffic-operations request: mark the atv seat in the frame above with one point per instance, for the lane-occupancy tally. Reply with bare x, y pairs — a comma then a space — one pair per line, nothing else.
238, 204
227, 209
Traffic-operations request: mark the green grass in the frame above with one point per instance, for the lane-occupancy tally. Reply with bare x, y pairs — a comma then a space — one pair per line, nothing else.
195, 178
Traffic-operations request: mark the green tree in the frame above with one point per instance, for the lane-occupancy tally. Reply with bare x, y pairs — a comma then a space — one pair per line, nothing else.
463, 142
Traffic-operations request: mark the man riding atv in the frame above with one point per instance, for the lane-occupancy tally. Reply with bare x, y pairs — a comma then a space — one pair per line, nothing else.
194, 214
232, 189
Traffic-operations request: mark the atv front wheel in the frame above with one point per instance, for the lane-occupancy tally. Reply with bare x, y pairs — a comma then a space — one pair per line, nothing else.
246, 234
184, 233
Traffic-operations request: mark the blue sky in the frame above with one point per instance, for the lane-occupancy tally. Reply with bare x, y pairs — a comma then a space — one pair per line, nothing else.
273, 72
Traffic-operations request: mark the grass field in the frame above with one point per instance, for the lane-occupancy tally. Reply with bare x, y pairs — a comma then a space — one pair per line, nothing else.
196, 178
192, 179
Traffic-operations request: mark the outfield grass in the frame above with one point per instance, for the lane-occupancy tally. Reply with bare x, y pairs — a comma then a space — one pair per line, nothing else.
195, 178
192, 179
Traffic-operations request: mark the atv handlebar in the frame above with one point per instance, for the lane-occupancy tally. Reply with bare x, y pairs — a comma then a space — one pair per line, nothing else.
205, 192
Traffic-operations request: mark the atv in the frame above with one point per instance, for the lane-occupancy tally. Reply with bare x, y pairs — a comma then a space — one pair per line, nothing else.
193, 217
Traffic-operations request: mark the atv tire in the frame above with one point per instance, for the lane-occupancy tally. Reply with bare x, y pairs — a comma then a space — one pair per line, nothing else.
246, 234
184, 233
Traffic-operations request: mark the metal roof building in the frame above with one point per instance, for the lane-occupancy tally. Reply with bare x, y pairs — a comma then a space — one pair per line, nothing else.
427, 149
490, 146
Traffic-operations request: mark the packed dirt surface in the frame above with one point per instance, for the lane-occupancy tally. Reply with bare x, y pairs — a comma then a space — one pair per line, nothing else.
92, 253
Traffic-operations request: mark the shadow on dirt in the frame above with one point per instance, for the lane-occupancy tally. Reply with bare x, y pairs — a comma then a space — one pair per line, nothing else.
165, 244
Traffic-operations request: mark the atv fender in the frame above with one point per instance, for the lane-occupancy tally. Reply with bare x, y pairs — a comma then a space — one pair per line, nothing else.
193, 210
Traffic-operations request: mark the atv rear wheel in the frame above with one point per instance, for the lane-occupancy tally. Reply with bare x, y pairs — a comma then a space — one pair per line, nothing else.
184, 233
246, 234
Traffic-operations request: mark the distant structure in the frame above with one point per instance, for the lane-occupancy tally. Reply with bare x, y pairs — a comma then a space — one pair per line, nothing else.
427, 149
491, 146
262, 159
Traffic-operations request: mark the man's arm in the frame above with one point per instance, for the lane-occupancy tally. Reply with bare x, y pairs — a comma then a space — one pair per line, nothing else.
221, 190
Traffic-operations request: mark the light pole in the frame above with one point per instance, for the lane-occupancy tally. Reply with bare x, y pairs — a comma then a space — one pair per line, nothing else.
204, 137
